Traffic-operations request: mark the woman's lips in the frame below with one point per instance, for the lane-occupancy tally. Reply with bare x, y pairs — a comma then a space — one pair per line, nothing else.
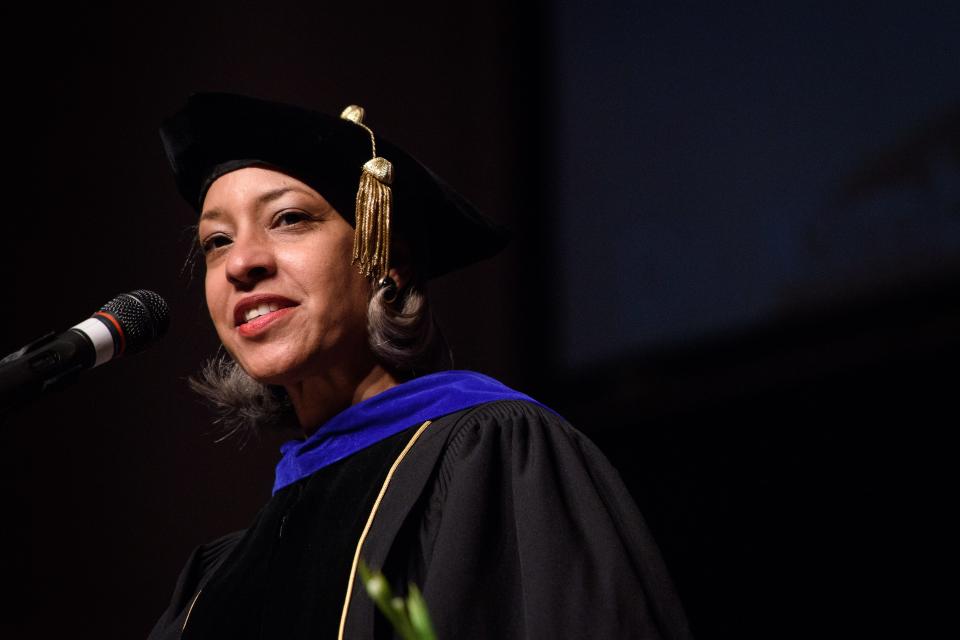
261, 302
260, 324
254, 314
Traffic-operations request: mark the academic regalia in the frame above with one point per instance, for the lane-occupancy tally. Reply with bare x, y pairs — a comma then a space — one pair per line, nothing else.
511, 522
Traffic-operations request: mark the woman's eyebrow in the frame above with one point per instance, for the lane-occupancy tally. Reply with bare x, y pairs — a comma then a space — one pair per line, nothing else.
262, 199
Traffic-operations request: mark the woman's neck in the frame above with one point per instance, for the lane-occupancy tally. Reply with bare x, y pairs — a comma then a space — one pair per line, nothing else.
319, 398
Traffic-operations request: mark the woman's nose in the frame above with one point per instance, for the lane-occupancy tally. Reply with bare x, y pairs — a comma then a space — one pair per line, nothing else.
250, 260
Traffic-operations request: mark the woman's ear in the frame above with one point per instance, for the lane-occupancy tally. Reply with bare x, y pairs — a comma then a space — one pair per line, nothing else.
401, 277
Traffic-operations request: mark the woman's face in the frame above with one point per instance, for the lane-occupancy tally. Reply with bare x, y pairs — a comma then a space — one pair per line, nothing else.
280, 287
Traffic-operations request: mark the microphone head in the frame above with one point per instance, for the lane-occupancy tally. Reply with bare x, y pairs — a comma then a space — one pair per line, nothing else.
143, 317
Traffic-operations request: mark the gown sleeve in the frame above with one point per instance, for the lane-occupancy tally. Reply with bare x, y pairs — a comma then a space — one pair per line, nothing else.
527, 531
202, 562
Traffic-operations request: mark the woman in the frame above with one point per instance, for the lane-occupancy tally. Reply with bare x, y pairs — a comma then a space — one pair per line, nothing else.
318, 237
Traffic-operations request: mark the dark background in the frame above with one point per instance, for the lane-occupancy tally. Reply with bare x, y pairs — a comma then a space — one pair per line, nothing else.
735, 267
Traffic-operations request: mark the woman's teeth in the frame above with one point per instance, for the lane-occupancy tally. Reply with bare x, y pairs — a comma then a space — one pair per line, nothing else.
261, 310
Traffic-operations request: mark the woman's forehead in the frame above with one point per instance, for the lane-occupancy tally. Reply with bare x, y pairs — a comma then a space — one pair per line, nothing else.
252, 186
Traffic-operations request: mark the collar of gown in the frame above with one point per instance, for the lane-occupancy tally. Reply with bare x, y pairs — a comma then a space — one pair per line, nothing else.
385, 414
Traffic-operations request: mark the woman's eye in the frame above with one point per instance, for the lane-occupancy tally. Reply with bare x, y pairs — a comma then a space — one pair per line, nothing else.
214, 242
288, 218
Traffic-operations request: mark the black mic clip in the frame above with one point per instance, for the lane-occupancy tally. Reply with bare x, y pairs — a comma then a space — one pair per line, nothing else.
46, 361
22, 351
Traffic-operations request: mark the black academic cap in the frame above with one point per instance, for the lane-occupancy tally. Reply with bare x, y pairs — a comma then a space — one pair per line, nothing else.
220, 132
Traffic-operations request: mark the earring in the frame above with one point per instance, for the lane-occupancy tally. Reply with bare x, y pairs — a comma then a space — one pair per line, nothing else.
388, 283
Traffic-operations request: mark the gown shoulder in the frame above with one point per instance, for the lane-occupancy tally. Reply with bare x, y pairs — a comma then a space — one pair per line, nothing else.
525, 530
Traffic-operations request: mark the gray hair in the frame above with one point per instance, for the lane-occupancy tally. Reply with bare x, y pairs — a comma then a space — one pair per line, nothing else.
403, 336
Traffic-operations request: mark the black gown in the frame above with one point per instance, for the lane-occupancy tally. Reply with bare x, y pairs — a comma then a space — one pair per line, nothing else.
512, 523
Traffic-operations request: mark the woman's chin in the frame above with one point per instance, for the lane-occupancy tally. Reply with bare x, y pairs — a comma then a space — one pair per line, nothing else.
271, 372
280, 365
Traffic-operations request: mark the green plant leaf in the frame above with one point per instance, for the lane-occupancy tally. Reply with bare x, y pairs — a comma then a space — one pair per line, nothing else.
410, 619
419, 616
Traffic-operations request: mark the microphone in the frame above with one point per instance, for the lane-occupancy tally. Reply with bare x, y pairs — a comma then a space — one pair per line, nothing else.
126, 324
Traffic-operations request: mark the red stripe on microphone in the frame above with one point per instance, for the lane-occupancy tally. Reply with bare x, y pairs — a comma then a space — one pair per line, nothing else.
113, 321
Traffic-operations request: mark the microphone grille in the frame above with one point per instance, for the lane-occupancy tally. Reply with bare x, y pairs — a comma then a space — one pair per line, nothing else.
143, 315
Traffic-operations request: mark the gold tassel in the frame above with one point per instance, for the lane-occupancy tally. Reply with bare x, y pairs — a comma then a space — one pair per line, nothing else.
371, 240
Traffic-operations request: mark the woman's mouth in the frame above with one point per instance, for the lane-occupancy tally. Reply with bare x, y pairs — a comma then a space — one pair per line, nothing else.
259, 323
254, 314
260, 310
